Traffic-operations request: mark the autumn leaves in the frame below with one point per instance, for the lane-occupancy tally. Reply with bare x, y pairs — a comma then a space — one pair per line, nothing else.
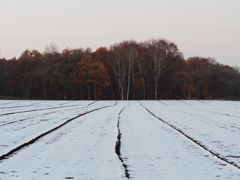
129, 70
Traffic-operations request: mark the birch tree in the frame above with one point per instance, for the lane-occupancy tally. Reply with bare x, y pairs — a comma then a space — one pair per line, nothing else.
160, 53
122, 58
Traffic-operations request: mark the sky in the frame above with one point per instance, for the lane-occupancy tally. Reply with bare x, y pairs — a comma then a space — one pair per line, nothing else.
206, 28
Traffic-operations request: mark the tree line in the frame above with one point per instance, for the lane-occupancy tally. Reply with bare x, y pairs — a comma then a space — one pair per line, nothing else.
129, 70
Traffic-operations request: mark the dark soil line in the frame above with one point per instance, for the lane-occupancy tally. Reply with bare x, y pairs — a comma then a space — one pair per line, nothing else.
4, 124
195, 141
36, 110
40, 109
223, 114
13, 151
233, 156
18, 106
14, 122
14, 107
92, 103
7, 102
118, 147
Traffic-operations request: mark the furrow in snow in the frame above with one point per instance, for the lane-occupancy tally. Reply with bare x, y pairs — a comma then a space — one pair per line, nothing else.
20, 106
118, 146
13, 151
37, 110
33, 116
219, 156
15, 121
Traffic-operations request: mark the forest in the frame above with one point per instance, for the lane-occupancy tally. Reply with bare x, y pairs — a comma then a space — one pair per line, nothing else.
129, 70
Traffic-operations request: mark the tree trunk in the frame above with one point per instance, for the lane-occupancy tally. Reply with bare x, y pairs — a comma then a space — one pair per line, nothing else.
143, 80
44, 89
122, 92
155, 89
65, 93
94, 89
129, 79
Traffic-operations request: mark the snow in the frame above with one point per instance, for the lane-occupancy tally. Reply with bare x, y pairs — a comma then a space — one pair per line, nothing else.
84, 148
214, 123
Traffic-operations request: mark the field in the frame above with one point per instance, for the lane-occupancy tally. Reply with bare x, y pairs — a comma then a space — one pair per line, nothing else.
119, 140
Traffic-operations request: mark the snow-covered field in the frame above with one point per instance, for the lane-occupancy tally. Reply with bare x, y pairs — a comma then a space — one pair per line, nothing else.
119, 140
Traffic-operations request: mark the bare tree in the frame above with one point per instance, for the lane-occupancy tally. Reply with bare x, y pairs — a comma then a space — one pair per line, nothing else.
122, 58
52, 48
131, 56
119, 67
140, 67
160, 53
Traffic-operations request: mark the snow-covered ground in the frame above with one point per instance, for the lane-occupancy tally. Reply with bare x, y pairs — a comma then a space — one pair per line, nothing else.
158, 140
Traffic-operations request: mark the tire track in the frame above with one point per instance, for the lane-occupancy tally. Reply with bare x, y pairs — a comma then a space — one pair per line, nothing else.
220, 157
13, 151
118, 147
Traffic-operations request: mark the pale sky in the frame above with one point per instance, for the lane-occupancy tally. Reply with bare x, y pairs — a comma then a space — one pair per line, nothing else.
207, 28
